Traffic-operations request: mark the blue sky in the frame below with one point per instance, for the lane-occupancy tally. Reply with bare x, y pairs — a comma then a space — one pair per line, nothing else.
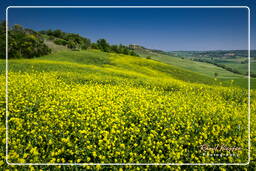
166, 29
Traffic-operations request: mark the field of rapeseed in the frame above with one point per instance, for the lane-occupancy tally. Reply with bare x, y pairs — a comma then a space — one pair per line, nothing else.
120, 109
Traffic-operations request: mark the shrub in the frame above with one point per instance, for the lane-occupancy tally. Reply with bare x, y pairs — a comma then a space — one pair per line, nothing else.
23, 43
2, 40
71, 44
61, 42
94, 46
63, 38
103, 45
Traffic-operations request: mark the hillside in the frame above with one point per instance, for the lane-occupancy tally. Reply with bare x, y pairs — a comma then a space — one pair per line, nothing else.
108, 105
85, 106
214, 53
201, 68
235, 61
109, 64
54, 41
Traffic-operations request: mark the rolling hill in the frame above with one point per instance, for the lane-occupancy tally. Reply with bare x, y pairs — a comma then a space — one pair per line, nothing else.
201, 68
91, 106
110, 64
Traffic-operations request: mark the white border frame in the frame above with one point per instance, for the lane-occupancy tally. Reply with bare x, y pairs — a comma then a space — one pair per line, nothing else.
72, 164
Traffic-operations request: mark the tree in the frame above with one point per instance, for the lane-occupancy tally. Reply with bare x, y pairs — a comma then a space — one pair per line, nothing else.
86, 43
94, 46
61, 42
57, 33
115, 48
71, 40
133, 53
17, 28
22, 43
103, 45
71, 44
2, 39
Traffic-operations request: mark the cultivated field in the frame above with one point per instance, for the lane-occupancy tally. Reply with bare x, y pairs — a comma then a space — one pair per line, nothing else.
96, 107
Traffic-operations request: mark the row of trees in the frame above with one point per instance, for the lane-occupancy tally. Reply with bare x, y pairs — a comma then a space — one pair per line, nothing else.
22, 43
77, 42
2, 40
223, 53
253, 75
71, 40
27, 43
104, 46
219, 65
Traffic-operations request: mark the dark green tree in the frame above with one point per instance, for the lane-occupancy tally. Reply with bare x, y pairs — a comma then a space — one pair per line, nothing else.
23, 43
103, 45
72, 45
94, 46
2, 39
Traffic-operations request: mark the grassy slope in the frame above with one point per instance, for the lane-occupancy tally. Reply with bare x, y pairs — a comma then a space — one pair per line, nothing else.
109, 64
236, 64
190, 65
199, 67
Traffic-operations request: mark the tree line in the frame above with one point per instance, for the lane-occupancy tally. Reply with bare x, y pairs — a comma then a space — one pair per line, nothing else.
27, 43
219, 65
71, 40
104, 46
77, 42
223, 66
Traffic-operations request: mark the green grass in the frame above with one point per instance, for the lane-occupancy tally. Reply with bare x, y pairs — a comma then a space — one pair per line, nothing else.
236, 64
94, 57
201, 68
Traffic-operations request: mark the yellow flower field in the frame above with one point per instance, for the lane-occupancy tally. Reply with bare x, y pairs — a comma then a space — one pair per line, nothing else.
119, 113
